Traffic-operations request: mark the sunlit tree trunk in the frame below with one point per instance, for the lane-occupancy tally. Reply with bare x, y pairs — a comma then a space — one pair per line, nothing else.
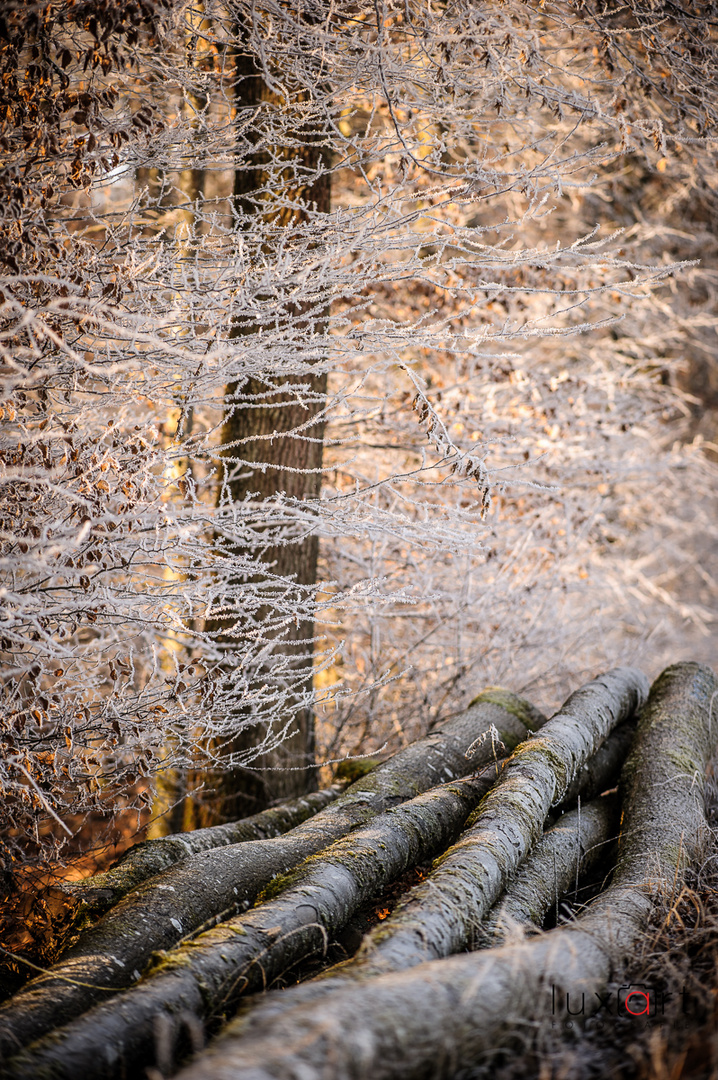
183, 195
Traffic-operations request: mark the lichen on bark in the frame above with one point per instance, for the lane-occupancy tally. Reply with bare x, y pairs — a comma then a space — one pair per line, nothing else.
561, 857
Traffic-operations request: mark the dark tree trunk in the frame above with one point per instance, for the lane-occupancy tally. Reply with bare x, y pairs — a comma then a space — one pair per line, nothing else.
273, 438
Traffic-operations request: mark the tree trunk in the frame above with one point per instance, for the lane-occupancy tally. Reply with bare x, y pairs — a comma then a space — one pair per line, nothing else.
215, 884
441, 1017
273, 440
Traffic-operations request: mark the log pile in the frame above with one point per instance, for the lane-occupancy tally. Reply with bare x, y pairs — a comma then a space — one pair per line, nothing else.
506, 812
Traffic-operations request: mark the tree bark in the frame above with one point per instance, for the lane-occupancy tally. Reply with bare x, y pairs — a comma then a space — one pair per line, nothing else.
94, 895
603, 770
440, 1017
215, 884
548, 872
561, 857
206, 977
273, 443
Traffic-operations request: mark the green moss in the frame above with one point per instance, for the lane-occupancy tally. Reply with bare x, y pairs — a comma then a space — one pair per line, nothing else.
685, 762
546, 750
382, 933
165, 961
354, 770
519, 707
282, 882
476, 814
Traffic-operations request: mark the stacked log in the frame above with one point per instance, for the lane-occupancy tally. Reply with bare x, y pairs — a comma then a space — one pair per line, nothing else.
212, 885
509, 837
97, 894
438, 1017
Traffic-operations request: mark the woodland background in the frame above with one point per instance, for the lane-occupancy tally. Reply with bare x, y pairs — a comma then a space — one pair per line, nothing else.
354, 357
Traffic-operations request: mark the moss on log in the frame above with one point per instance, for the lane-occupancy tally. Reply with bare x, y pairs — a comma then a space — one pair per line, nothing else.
213, 885
440, 1017
569, 849
207, 976
440, 915
548, 872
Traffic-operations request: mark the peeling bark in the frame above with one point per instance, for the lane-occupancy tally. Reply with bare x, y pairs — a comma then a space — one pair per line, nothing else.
439, 1017
102, 891
213, 885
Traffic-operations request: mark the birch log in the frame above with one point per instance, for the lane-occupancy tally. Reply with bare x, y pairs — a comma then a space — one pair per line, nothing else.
440, 1017
215, 884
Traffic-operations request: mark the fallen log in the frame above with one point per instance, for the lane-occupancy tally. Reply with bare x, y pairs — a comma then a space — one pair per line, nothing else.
569, 849
440, 1017
441, 915
102, 891
602, 771
206, 977
565, 852
213, 885
75, 905
548, 872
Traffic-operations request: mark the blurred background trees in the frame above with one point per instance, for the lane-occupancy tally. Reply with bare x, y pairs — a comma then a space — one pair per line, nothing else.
452, 426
